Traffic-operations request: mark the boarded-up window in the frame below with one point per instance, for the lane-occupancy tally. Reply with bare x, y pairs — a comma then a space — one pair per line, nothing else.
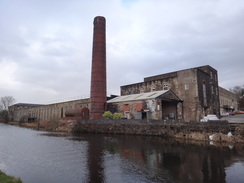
139, 107
126, 107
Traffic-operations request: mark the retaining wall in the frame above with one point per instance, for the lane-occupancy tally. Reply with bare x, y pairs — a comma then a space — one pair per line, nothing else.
167, 129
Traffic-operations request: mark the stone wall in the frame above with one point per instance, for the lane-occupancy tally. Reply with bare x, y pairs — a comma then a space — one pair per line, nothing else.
163, 128
32, 113
197, 87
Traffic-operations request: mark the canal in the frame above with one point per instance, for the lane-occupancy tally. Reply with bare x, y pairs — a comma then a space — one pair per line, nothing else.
43, 157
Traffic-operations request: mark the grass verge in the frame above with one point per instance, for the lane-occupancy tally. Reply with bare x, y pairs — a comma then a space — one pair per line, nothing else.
8, 179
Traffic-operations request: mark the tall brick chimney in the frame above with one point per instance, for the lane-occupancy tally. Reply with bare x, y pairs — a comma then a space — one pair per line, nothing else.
98, 72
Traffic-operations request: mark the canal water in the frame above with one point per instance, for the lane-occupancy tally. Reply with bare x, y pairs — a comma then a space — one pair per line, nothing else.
42, 157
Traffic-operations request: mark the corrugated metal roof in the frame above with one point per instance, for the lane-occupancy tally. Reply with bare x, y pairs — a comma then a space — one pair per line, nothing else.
140, 96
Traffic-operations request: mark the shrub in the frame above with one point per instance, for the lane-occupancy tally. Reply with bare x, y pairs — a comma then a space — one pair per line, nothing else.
4, 116
108, 115
117, 116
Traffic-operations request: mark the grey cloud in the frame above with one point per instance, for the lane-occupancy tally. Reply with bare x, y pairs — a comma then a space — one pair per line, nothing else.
50, 43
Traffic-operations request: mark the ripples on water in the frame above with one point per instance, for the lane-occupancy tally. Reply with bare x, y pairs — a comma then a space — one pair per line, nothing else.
41, 157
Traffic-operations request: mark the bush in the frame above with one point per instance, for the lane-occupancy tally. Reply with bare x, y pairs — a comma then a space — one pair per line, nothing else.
4, 116
117, 116
108, 115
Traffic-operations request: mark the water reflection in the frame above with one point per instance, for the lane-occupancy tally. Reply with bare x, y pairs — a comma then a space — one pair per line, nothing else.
95, 159
152, 159
113, 158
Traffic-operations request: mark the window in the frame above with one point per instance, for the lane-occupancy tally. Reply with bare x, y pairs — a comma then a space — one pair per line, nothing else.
211, 74
142, 90
204, 94
153, 89
165, 87
131, 91
187, 86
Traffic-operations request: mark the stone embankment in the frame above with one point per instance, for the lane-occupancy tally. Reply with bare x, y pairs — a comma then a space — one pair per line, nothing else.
210, 131
220, 131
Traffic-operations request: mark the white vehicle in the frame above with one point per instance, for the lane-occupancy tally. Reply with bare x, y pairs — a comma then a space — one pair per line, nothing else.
223, 114
210, 117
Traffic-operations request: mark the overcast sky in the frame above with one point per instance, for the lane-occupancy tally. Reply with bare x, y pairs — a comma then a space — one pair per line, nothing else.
46, 45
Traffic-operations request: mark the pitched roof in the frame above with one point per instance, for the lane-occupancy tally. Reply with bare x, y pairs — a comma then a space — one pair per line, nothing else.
143, 96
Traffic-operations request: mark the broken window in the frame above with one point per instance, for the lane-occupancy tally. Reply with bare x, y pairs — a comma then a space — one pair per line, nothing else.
165, 87
204, 95
143, 115
187, 86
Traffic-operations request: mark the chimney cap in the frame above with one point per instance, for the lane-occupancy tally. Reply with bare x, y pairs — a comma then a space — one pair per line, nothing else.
98, 19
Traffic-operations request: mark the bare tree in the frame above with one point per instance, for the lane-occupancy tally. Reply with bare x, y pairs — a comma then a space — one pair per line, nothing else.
239, 91
6, 102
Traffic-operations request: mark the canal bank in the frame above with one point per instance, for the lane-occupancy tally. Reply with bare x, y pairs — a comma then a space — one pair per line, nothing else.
4, 178
220, 131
